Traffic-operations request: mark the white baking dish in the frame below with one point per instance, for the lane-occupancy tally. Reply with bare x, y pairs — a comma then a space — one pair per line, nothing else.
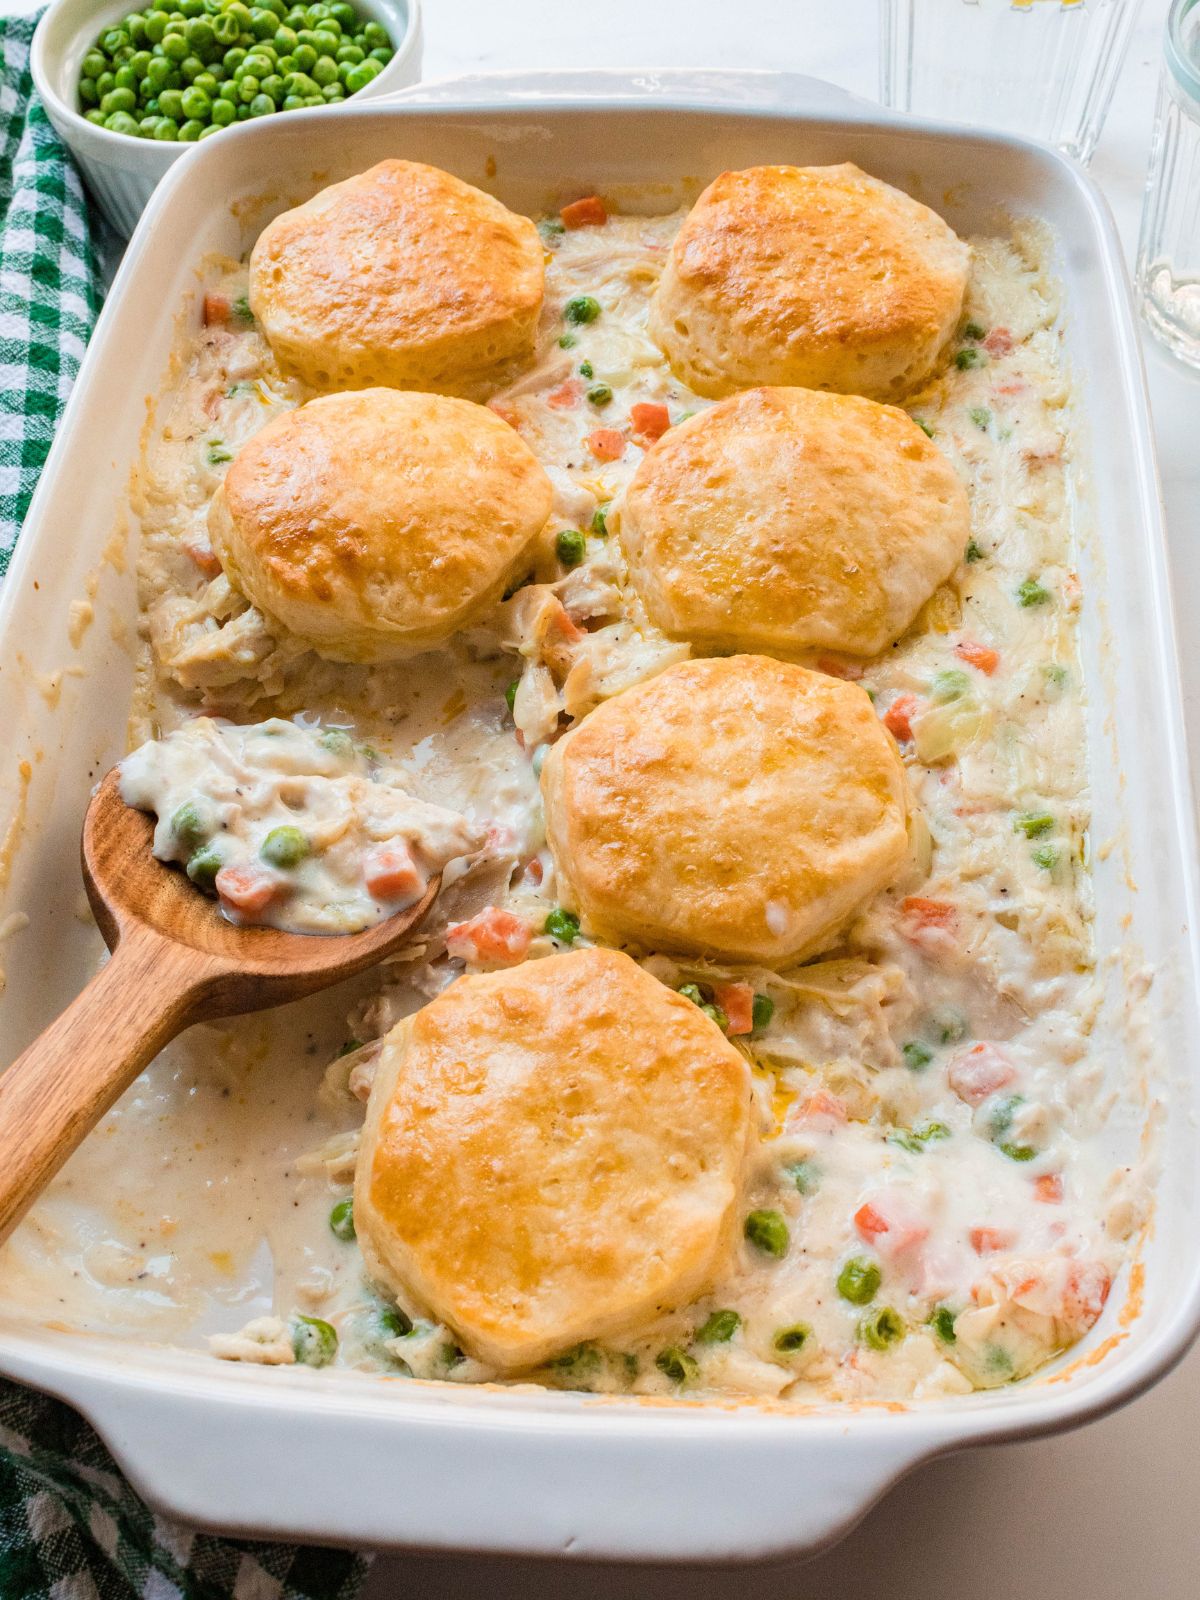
343, 1457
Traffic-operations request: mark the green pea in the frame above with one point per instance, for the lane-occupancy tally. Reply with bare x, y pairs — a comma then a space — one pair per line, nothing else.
767, 1231
583, 308
981, 417
190, 131
580, 1364
1000, 1118
973, 552
568, 341
1046, 856
803, 1174
170, 103
761, 1011
263, 23
718, 1328
126, 78
206, 133
247, 89
341, 1220
314, 1341
284, 847
147, 125
118, 100
228, 92
510, 694
166, 130
600, 521
965, 359
349, 55
948, 1024
200, 34
570, 547
382, 54
974, 331
95, 115
106, 83
325, 72
156, 27
122, 122
881, 1328
195, 103
562, 925
192, 824
333, 92
94, 64
1018, 1152
233, 60
325, 43
115, 39
358, 78
792, 1339
599, 395
916, 1055
376, 34
175, 47
949, 684
157, 73
305, 57
942, 1322
285, 40
202, 868
89, 95
345, 14
677, 1365
262, 105
859, 1280
292, 102
207, 83
258, 65
273, 87
1033, 823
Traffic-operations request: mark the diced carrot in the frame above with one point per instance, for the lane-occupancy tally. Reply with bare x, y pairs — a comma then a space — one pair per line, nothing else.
999, 342
979, 1072
568, 394
392, 874
649, 420
218, 308
869, 1222
921, 914
1048, 1188
606, 444
977, 655
247, 890
820, 1111
505, 413
986, 1240
851, 670
564, 623
202, 553
1085, 1292
587, 213
896, 719
534, 871
493, 935
736, 1000
1016, 386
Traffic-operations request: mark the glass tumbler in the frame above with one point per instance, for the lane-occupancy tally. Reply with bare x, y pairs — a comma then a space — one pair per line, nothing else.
1168, 264
1043, 68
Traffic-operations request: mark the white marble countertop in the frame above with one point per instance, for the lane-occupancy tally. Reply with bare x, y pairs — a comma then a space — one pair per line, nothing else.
1107, 1512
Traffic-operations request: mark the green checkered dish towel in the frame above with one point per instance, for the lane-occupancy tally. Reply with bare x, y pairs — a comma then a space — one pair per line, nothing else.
69, 1523
49, 286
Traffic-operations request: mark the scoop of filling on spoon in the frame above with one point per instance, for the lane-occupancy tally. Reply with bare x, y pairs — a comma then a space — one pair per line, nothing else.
295, 828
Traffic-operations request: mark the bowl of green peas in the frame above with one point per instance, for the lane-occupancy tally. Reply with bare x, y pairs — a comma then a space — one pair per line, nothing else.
131, 89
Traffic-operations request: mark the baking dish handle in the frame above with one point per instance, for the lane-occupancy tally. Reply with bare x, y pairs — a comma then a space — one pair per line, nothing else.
705, 88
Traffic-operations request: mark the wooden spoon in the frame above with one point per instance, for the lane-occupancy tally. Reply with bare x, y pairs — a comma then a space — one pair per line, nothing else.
175, 961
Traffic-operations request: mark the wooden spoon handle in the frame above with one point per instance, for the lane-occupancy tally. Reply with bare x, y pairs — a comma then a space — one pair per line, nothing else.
60, 1087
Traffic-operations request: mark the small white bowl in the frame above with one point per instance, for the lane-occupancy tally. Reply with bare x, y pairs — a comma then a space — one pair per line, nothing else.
122, 170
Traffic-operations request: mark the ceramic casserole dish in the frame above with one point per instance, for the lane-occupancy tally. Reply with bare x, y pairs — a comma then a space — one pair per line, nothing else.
344, 1457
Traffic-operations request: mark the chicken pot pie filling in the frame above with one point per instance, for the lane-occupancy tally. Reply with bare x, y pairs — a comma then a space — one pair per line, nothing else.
923, 1210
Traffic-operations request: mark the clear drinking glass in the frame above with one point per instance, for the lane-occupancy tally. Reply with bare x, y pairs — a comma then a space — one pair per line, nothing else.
1044, 68
1168, 265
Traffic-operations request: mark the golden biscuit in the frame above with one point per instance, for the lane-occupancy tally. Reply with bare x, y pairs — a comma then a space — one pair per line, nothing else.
375, 524
403, 275
739, 807
821, 277
786, 519
551, 1153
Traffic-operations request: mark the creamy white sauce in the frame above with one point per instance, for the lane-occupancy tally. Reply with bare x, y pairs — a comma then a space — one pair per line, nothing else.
926, 1094
291, 827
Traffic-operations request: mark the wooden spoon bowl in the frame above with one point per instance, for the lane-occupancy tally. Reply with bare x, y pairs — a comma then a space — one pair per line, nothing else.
175, 961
